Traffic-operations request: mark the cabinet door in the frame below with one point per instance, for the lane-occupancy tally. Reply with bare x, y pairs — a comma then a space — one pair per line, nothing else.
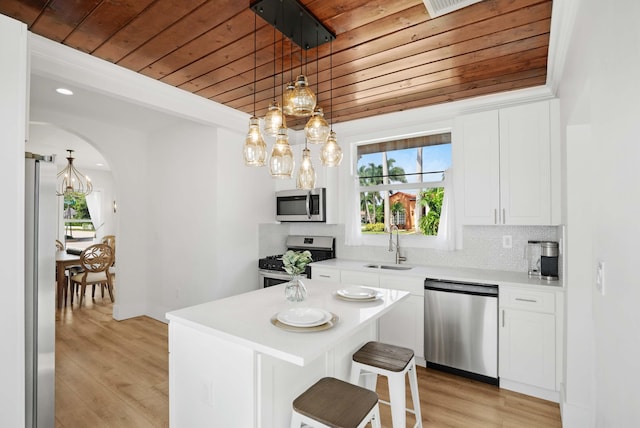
476, 159
404, 325
525, 164
527, 348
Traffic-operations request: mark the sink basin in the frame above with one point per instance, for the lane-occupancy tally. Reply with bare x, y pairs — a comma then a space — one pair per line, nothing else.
390, 267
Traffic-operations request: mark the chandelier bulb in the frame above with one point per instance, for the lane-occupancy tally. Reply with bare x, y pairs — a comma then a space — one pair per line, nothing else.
331, 154
281, 163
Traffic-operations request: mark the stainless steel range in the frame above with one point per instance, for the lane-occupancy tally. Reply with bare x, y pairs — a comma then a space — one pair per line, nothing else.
271, 270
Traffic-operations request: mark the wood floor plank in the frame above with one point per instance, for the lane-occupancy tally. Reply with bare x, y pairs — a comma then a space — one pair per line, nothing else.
115, 374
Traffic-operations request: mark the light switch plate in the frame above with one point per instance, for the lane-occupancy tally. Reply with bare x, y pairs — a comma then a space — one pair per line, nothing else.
507, 241
600, 278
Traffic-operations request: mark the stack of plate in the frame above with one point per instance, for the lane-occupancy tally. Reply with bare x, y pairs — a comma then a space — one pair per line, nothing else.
304, 319
361, 294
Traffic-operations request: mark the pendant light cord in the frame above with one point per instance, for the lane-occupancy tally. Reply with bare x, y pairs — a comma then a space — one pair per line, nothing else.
331, 83
255, 60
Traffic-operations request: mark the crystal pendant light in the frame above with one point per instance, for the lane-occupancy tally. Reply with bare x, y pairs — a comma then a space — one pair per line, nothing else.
306, 174
317, 128
72, 180
255, 149
281, 164
302, 100
331, 154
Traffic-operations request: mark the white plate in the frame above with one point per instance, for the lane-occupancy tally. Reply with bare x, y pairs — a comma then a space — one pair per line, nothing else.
304, 317
357, 293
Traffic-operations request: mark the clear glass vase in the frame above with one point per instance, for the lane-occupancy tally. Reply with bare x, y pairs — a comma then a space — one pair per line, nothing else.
294, 290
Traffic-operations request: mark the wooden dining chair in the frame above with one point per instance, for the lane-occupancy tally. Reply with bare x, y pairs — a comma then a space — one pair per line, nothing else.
59, 245
95, 261
110, 240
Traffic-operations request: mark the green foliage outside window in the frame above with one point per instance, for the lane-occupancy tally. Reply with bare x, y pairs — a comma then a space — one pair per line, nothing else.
431, 198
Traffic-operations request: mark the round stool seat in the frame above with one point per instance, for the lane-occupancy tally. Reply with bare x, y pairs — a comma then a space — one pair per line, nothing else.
335, 403
384, 356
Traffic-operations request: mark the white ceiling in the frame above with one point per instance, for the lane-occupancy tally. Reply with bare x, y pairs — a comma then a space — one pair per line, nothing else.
47, 138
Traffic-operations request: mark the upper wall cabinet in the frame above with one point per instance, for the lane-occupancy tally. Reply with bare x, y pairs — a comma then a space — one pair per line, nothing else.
504, 166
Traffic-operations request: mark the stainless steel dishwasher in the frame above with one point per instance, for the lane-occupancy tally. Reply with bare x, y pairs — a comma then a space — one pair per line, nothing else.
461, 328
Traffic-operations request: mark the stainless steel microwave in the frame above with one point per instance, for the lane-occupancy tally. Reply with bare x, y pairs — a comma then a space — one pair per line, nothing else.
301, 205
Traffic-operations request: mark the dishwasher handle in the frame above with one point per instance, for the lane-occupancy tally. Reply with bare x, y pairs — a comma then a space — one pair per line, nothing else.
472, 288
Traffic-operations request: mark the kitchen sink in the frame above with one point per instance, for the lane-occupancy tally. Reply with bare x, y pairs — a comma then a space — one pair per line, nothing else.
390, 267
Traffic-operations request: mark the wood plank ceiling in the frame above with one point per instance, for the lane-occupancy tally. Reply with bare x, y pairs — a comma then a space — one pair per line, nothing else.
388, 56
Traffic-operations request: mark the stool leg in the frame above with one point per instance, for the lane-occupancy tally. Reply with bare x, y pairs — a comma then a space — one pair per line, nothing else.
398, 400
296, 420
355, 374
375, 423
413, 382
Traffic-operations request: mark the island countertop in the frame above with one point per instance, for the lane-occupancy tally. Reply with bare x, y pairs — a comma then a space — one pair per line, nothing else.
244, 319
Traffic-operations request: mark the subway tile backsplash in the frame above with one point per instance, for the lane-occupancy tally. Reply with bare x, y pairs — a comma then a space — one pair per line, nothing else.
482, 245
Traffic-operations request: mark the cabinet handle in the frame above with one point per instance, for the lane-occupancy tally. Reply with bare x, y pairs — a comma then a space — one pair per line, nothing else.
495, 216
324, 276
504, 216
519, 299
503, 318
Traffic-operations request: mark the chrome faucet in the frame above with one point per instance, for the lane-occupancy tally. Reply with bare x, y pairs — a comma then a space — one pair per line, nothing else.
395, 246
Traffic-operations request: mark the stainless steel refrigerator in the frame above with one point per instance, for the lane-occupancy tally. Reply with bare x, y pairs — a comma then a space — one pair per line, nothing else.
40, 290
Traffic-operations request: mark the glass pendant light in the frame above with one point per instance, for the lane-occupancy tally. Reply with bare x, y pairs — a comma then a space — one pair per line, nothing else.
303, 100
306, 174
317, 128
274, 118
255, 149
72, 180
281, 164
331, 154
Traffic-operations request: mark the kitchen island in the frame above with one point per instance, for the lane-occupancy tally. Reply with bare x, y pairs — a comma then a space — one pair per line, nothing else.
229, 365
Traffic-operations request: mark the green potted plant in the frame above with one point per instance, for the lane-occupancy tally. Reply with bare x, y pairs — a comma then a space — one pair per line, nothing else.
295, 263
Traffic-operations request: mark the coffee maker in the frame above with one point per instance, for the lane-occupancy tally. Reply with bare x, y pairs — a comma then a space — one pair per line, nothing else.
542, 257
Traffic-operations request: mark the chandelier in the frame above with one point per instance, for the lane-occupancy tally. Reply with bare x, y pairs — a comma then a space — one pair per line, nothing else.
71, 180
295, 22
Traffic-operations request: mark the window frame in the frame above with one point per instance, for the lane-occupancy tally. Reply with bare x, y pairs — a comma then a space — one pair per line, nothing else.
410, 240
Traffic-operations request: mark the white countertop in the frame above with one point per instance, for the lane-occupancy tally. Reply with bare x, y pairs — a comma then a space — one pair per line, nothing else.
244, 319
483, 276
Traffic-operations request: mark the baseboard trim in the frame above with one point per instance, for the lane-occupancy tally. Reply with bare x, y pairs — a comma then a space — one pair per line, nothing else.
534, 391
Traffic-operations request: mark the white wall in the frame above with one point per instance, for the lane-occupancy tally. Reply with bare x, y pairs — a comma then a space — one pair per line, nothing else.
13, 77
599, 94
204, 209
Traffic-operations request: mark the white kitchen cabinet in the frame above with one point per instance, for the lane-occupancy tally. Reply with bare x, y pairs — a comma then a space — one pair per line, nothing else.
404, 325
371, 279
325, 274
527, 342
503, 166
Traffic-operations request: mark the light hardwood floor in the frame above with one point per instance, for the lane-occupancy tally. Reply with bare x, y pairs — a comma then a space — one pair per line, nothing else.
115, 374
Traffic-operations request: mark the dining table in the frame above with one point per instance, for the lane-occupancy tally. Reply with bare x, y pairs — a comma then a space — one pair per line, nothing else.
63, 261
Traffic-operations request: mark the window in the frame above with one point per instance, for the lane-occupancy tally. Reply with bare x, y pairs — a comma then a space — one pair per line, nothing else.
403, 183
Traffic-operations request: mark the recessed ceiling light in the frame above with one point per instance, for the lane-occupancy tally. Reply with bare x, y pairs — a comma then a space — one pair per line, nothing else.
99, 164
64, 91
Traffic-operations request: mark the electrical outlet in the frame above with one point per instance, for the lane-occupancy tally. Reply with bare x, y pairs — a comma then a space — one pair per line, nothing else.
507, 241
600, 278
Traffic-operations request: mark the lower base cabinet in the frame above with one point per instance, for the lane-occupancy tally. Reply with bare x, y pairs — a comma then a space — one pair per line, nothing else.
403, 325
528, 342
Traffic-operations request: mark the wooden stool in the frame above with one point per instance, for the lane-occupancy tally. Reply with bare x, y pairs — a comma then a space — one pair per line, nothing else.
336, 404
393, 362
